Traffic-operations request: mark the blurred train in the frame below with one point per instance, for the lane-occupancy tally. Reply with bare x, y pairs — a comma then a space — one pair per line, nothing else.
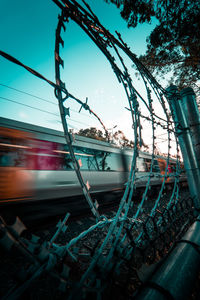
35, 164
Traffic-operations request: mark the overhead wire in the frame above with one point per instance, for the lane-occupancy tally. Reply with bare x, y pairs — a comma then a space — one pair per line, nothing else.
23, 92
42, 99
115, 232
39, 109
57, 87
29, 106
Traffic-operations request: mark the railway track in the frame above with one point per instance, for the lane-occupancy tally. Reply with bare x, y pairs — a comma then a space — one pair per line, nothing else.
47, 212
13, 264
44, 213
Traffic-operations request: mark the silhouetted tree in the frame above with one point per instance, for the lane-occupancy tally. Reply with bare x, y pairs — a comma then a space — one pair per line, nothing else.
93, 133
121, 140
174, 44
118, 138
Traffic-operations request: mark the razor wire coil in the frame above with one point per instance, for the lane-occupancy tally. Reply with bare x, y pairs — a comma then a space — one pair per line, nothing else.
131, 235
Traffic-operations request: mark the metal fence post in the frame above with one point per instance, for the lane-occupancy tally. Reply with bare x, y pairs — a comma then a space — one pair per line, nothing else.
186, 145
193, 116
176, 275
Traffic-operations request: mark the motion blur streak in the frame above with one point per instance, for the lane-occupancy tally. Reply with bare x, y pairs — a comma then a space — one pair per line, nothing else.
15, 181
35, 164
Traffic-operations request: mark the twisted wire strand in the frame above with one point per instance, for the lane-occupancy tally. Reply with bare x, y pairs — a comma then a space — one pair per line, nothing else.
120, 75
103, 40
126, 234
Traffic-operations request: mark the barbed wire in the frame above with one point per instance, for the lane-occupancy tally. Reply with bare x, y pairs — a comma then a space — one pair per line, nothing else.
135, 230
103, 39
57, 87
42, 99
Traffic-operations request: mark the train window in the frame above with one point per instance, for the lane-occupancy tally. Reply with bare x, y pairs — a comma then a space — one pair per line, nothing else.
92, 159
44, 155
114, 162
84, 155
88, 158
12, 152
97, 160
141, 163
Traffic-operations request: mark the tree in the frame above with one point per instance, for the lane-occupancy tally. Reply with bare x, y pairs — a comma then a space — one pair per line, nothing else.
121, 140
93, 133
174, 44
118, 138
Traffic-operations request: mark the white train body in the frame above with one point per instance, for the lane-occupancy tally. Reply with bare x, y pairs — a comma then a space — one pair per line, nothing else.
35, 164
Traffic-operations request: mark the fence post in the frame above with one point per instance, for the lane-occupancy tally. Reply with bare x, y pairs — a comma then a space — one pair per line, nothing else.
186, 145
193, 116
175, 276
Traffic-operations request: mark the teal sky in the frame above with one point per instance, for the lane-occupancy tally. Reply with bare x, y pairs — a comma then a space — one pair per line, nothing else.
28, 33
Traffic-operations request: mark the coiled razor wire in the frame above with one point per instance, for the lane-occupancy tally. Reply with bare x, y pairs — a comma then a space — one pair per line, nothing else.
135, 235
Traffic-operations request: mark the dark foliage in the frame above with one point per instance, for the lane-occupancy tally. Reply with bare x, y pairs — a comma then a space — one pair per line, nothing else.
118, 138
92, 133
174, 44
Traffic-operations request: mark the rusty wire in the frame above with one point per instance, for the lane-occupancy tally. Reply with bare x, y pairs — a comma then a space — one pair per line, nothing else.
132, 236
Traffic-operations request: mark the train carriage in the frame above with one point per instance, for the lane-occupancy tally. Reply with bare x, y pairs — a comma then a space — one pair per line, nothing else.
35, 164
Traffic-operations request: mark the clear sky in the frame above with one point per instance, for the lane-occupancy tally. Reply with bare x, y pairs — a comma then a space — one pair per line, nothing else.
28, 33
